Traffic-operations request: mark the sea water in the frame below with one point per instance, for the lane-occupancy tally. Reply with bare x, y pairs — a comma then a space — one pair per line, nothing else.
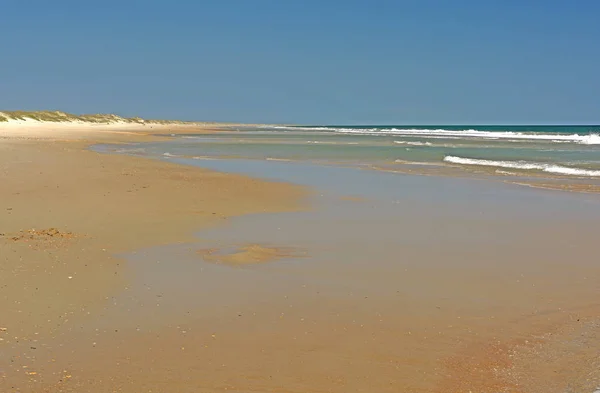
542, 151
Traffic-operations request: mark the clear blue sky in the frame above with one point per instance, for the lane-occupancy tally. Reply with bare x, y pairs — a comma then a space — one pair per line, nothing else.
306, 61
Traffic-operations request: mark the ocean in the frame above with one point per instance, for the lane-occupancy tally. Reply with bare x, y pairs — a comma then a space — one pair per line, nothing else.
514, 153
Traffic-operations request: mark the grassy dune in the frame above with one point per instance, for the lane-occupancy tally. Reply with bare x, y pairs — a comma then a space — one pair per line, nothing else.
58, 116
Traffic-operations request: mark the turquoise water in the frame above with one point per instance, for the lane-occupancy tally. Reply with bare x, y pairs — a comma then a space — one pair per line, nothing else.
554, 151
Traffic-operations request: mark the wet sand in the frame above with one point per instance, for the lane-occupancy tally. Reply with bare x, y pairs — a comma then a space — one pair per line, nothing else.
484, 290
468, 285
248, 254
65, 212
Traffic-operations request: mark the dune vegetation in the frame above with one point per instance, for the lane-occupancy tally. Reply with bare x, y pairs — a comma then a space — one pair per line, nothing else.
59, 116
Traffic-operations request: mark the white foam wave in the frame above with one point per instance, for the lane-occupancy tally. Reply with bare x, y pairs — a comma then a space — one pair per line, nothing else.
331, 143
591, 139
420, 163
526, 165
501, 172
587, 139
413, 143
277, 159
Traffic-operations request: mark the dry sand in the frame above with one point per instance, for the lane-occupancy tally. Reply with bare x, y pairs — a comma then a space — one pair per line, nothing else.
65, 212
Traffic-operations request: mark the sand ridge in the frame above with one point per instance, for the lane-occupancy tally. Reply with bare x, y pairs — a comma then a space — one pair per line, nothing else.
249, 254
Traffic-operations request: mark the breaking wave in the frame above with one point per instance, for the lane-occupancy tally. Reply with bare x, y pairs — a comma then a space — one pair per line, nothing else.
526, 165
584, 139
413, 143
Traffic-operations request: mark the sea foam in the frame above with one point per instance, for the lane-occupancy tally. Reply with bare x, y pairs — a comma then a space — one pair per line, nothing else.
526, 165
413, 143
585, 139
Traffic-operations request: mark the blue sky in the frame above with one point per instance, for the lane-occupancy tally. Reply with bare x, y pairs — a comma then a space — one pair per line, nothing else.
311, 61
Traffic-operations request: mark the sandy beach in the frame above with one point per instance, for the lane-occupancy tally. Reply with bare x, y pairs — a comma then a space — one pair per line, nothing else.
299, 197
103, 286
66, 212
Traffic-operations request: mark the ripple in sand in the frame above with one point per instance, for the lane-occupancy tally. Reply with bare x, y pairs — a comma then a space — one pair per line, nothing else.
249, 254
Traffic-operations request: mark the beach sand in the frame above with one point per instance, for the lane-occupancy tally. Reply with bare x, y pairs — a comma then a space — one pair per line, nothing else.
76, 317
65, 212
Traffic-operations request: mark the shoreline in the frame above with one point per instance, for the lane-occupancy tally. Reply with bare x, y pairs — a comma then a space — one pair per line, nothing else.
224, 147
86, 205
561, 184
151, 129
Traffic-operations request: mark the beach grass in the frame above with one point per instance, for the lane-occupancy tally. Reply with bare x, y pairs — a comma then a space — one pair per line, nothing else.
59, 116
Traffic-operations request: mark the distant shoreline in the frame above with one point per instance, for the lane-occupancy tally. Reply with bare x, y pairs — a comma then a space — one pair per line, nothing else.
36, 118
58, 125
32, 117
